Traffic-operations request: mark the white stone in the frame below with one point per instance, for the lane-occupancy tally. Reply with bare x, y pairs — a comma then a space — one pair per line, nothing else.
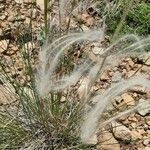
98, 50
104, 76
1, 7
147, 119
120, 131
147, 62
19, 1
82, 90
136, 135
146, 142
85, 28
30, 1
1, 32
3, 45
116, 77
34, 13
128, 99
40, 3
2, 17
144, 107
63, 99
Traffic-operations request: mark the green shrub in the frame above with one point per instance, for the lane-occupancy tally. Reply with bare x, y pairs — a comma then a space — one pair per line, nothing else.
137, 21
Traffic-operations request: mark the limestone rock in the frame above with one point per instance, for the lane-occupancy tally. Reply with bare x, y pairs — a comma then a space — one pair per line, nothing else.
119, 103
147, 120
146, 142
128, 99
147, 62
121, 132
1, 32
19, 1
104, 77
131, 63
2, 17
2, 1
40, 3
130, 73
2, 7
136, 135
85, 28
98, 50
83, 87
3, 45
144, 107
116, 77
143, 148
30, 1
63, 99
145, 69
107, 142
11, 18
34, 13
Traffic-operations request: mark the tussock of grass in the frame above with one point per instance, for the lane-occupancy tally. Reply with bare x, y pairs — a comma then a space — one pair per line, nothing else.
40, 112
135, 20
88, 129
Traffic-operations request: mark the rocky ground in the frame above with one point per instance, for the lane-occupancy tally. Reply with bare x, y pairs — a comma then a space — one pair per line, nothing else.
15, 34
128, 133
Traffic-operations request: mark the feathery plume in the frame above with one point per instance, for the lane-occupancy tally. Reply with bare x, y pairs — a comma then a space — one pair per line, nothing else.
50, 56
91, 120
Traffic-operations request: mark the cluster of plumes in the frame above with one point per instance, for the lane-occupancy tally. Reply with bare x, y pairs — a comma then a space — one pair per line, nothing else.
50, 58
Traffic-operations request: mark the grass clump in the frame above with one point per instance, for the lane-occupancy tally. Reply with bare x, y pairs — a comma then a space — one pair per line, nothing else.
137, 19
48, 108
